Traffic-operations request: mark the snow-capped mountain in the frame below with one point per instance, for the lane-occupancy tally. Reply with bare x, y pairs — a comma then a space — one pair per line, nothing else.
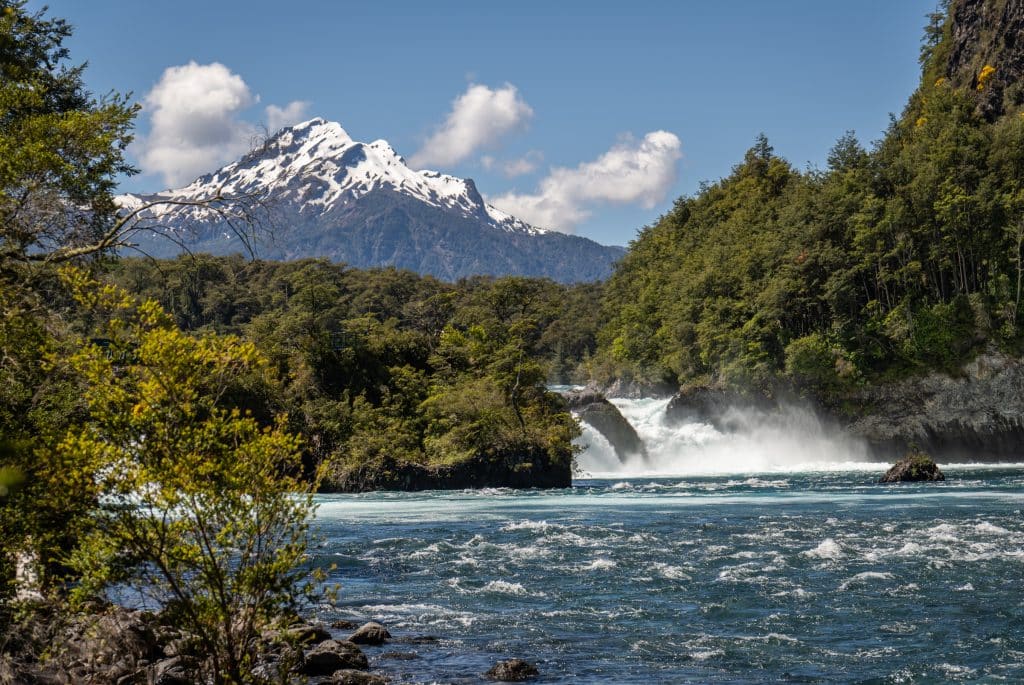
315, 192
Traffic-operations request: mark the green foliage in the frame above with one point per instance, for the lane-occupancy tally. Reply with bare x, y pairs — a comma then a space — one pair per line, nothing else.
811, 361
921, 465
60, 148
197, 504
60, 152
385, 364
897, 260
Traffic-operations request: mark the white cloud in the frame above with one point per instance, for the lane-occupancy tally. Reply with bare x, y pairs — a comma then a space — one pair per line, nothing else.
292, 113
195, 123
511, 168
479, 117
630, 172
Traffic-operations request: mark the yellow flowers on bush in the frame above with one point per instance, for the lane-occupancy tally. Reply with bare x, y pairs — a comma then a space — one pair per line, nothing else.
984, 76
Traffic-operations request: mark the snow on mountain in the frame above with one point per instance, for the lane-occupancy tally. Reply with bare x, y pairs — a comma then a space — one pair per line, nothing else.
318, 166
331, 196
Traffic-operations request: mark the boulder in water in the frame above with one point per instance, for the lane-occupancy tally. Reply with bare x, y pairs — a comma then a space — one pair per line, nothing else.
915, 467
512, 671
348, 676
370, 634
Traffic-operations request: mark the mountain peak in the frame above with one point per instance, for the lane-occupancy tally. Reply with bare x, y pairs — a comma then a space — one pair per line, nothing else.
328, 195
318, 168
317, 128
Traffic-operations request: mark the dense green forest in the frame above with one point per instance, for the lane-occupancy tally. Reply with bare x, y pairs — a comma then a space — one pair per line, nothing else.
388, 364
898, 259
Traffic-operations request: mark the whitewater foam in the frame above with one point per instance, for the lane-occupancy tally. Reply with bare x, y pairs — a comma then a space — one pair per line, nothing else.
863, 578
827, 549
790, 440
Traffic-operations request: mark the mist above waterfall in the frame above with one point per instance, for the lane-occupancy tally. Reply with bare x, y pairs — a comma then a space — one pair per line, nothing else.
786, 439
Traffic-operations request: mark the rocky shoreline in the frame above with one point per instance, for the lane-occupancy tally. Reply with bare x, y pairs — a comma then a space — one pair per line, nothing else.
120, 646
976, 414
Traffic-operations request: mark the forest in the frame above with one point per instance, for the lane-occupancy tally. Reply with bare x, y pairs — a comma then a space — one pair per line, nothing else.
895, 260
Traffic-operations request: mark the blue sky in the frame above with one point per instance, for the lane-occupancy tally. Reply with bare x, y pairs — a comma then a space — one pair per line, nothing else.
593, 115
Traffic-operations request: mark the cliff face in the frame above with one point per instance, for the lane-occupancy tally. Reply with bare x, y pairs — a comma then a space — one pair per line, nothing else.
975, 415
988, 33
978, 415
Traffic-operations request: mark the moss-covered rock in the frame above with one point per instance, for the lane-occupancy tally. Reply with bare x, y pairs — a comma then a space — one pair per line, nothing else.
914, 467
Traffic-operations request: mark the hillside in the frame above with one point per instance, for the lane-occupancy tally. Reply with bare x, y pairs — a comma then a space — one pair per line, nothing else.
895, 261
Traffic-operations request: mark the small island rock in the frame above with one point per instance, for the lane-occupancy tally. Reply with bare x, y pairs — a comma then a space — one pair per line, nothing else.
512, 671
913, 468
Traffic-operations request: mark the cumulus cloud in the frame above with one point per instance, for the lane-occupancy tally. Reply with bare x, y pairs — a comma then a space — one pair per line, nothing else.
479, 117
511, 168
195, 123
630, 172
292, 113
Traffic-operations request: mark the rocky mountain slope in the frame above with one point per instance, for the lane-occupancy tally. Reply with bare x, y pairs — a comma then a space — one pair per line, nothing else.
315, 192
985, 52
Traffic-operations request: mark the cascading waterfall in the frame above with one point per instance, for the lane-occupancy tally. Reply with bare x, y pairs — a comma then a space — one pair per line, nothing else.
787, 440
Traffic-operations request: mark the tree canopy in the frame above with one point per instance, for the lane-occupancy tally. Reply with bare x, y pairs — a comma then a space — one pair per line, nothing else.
903, 258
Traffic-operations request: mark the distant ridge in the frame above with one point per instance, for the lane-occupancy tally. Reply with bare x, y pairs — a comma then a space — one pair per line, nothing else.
359, 203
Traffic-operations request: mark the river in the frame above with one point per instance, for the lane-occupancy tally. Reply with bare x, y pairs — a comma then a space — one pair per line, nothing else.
802, 570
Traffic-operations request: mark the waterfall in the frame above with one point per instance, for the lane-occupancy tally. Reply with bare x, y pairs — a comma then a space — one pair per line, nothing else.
788, 439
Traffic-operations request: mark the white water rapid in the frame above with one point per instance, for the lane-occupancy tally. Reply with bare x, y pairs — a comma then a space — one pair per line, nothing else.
789, 440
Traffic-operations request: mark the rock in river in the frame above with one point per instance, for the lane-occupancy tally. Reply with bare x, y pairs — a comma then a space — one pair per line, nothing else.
370, 634
913, 468
512, 671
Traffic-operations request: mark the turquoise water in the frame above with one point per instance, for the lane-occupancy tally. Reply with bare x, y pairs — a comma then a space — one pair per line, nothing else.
798, 577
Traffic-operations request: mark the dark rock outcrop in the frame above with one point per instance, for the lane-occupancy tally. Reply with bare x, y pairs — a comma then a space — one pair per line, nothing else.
719, 407
595, 409
913, 468
348, 676
988, 33
512, 671
306, 634
371, 633
534, 469
975, 416
118, 645
108, 647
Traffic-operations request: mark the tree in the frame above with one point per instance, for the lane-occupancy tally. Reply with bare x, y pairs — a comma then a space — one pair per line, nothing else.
62, 149
195, 503
61, 152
